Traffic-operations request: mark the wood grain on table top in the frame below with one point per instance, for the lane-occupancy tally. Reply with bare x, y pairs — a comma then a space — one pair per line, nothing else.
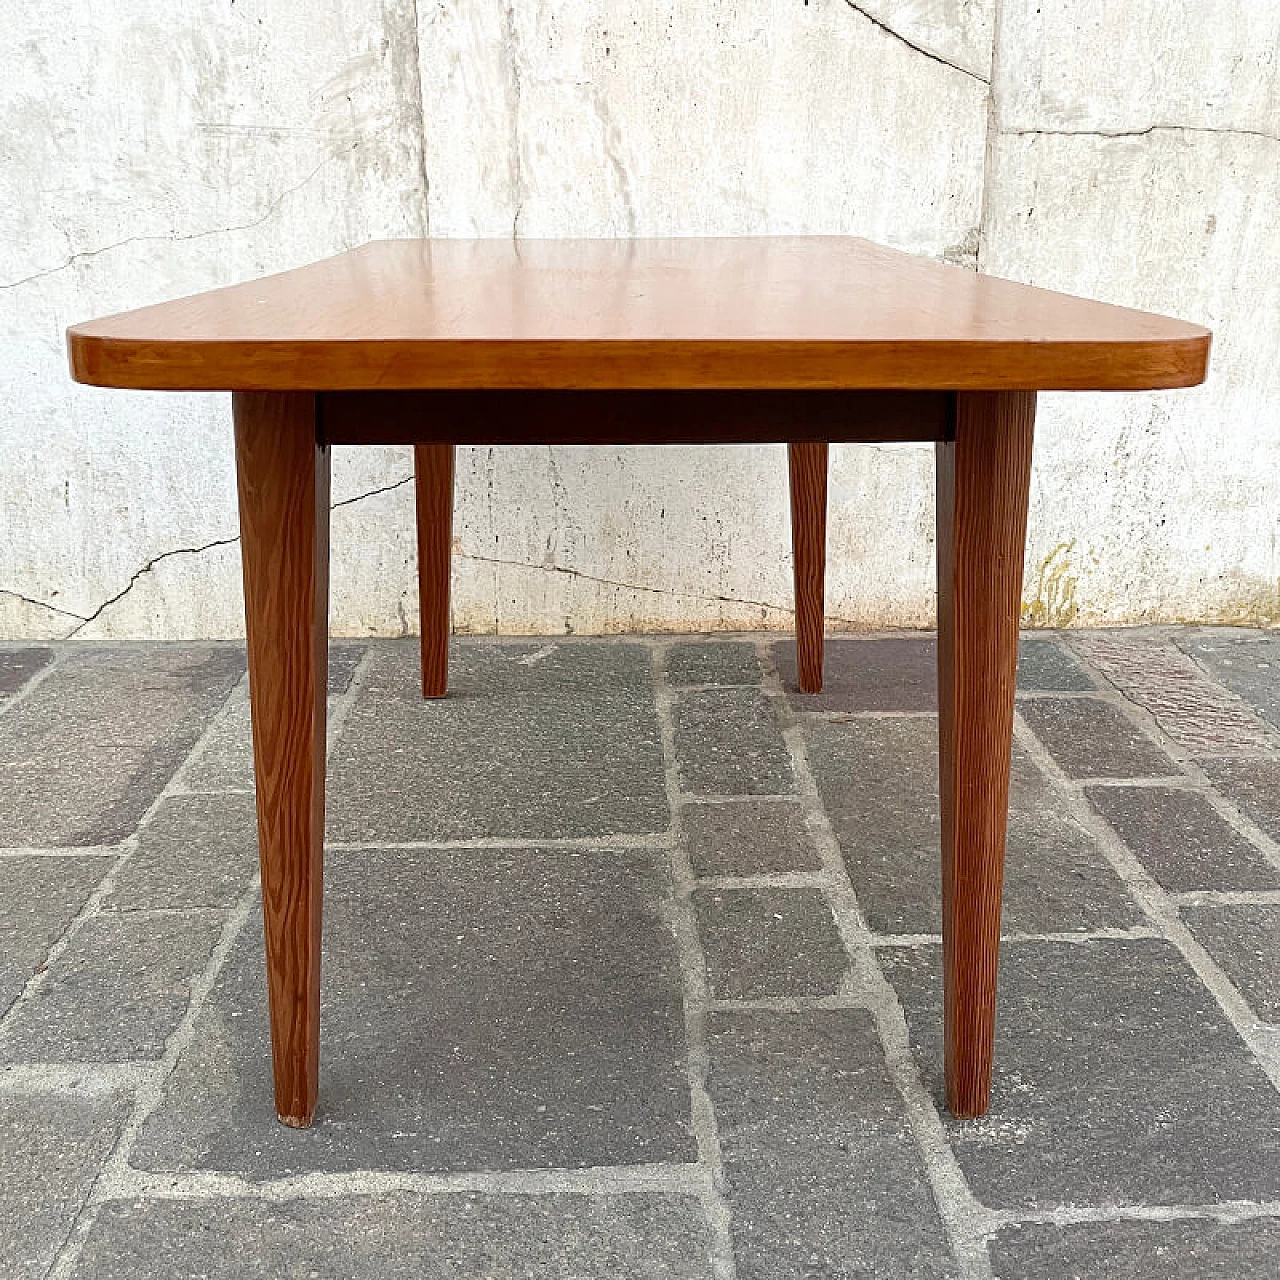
783, 312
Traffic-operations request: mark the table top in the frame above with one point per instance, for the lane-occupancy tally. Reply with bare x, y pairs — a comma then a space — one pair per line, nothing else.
776, 312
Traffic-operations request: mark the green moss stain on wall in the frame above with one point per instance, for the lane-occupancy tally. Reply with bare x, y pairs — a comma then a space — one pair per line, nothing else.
1053, 596
1252, 602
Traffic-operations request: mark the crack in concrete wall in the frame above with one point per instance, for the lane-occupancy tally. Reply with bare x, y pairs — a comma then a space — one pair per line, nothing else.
515, 92
673, 592
83, 620
1147, 131
139, 573
612, 142
614, 582
372, 493
911, 44
40, 604
177, 237
415, 53
990, 139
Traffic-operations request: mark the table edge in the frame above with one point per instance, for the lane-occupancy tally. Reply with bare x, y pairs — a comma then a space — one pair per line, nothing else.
638, 364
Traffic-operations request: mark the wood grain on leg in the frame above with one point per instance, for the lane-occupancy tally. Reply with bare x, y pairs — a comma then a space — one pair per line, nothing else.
983, 482
283, 476
433, 472
808, 466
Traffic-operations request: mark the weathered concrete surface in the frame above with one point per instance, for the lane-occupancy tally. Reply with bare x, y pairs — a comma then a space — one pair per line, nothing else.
148, 153
155, 153
1134, 157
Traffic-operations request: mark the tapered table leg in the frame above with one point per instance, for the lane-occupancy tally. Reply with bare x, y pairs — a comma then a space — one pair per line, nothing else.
433, 474
807, 464
283, 478
983, 483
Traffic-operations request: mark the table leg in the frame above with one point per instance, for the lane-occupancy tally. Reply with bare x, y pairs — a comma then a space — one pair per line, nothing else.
983, 484
433, 475
283, 476
807, 463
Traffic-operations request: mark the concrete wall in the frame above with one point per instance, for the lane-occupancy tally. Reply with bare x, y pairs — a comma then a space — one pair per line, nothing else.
1128, 149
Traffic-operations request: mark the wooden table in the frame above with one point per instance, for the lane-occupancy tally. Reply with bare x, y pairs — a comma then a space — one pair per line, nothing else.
805, 341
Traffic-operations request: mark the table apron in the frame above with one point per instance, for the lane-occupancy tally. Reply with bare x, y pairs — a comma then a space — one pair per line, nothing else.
633, 417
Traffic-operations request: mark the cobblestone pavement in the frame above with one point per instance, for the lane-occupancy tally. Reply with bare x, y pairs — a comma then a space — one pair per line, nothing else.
632, 969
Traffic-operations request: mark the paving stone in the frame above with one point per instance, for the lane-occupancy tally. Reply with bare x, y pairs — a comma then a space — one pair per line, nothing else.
84, 755
483, 1009
728, 743
534, 741
1244, 939
344, 658
1199, 1249
17, 666
1118, 1080
1045, 666
1182, 840
878, 779
116, 993
895, 673
1246, 662
1090, 738
39, 898
823, 1177
1196, 713
51, 1148
713, 662
1253, 786
748, 838
224, 761
769, 942
900, 673
402, 1237
196, 851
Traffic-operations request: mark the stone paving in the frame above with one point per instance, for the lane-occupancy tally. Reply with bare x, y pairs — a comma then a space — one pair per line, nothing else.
632, 969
